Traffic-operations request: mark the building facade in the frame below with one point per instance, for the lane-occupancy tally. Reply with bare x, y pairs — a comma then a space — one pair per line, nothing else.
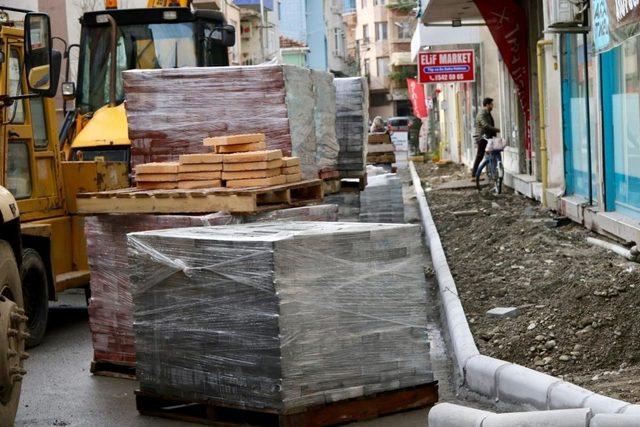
569, 109
384, 29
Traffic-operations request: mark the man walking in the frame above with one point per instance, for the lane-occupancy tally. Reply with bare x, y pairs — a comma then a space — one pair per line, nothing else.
485, 128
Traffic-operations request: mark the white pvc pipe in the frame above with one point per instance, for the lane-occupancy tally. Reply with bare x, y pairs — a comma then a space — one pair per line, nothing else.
617, 249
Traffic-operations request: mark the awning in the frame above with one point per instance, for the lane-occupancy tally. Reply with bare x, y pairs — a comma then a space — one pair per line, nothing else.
438, 11
442, 36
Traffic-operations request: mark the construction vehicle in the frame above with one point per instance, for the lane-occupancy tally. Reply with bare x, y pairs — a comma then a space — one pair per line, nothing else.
167, 34
49, 244
28, 193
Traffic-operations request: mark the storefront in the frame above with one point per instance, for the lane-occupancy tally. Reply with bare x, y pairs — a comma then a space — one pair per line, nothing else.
618, 41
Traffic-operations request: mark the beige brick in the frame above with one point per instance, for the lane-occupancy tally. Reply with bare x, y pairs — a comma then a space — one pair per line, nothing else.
189, 159
293, 170
293, 178
240, 148
250, 166
156, 185
168, 167
199, 176
200, 167
291, 161
258, 182
246, 138
189, 185
253, 156
156, 177
262, 173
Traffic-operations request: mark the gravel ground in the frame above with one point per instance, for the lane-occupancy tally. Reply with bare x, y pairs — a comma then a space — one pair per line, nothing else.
577, 304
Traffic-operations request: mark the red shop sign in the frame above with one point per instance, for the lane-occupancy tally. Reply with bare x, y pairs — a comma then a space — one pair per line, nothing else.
446, 66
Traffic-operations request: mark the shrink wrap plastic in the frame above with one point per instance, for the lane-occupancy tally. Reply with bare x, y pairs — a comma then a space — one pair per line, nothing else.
279, 315
381, 200
170, 111
325, 120
352, 122
110, 308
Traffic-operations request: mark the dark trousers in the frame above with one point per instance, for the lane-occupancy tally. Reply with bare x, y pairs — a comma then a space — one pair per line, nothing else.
481, 144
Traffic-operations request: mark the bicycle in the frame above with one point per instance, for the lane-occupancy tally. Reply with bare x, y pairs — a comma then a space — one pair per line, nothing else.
493, 162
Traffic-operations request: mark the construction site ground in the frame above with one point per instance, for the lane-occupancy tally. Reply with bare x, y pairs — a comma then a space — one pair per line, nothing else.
577, 304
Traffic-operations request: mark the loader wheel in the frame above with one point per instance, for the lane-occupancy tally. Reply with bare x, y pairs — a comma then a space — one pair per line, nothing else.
12, 336
35, 289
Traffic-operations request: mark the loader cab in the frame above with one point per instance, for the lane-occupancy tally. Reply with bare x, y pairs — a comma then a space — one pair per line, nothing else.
152, 38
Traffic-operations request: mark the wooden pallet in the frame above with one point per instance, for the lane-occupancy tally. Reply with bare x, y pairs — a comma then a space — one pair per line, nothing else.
113, 369
200, 201
341, 412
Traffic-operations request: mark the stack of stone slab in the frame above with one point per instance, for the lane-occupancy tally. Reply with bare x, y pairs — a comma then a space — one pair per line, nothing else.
380, 149
325, 120
110, 307
352, 117
199, 171
169, 111
279, 315
381, 200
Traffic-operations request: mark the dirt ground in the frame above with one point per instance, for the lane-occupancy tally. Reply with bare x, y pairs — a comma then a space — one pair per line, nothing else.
578, 305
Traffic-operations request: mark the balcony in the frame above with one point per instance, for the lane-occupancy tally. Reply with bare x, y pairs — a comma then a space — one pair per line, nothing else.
254, 4
377, 83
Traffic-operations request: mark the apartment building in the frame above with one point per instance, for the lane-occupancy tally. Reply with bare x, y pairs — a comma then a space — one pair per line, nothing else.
383, 38
259, 30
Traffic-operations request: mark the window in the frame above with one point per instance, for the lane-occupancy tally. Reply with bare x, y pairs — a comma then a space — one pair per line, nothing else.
381, 31
404, 30
365, 33
367, 67
363, 3
16, 112
379, 2
383, 66
38, 124
349, 5
19, 170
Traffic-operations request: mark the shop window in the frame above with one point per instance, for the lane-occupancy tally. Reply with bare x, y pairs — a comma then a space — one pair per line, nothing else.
365, 33
19, 170
623, 145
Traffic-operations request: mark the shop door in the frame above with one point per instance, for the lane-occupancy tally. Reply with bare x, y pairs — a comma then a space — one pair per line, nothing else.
575, 123
621, 113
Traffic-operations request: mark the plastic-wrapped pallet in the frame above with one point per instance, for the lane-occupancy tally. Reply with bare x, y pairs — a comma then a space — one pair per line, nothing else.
110, 308
325, 119
170, 111
279, 315
348, 204
381, 200
326, 212
352, 118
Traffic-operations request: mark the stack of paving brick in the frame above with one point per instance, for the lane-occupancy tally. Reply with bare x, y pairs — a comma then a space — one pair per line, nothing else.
325, 120
157, 176
199, 171
291, 169
380, 149
239, 161
168, 113
279, 315
110, 307
352, 117
381, 200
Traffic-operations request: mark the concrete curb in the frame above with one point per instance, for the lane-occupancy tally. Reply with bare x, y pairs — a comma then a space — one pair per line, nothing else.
496, 379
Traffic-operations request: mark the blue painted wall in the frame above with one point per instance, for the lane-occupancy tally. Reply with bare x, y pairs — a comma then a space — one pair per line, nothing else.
293, 20
316, 35
303, 20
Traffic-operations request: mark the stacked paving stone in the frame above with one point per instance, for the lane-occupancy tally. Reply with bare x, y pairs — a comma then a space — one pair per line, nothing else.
169, 115
381, 200
110, 307
252, 316
325, 120
352, 117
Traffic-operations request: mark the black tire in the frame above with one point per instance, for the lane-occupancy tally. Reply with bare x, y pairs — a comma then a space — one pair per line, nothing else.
10, 288
35, 290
